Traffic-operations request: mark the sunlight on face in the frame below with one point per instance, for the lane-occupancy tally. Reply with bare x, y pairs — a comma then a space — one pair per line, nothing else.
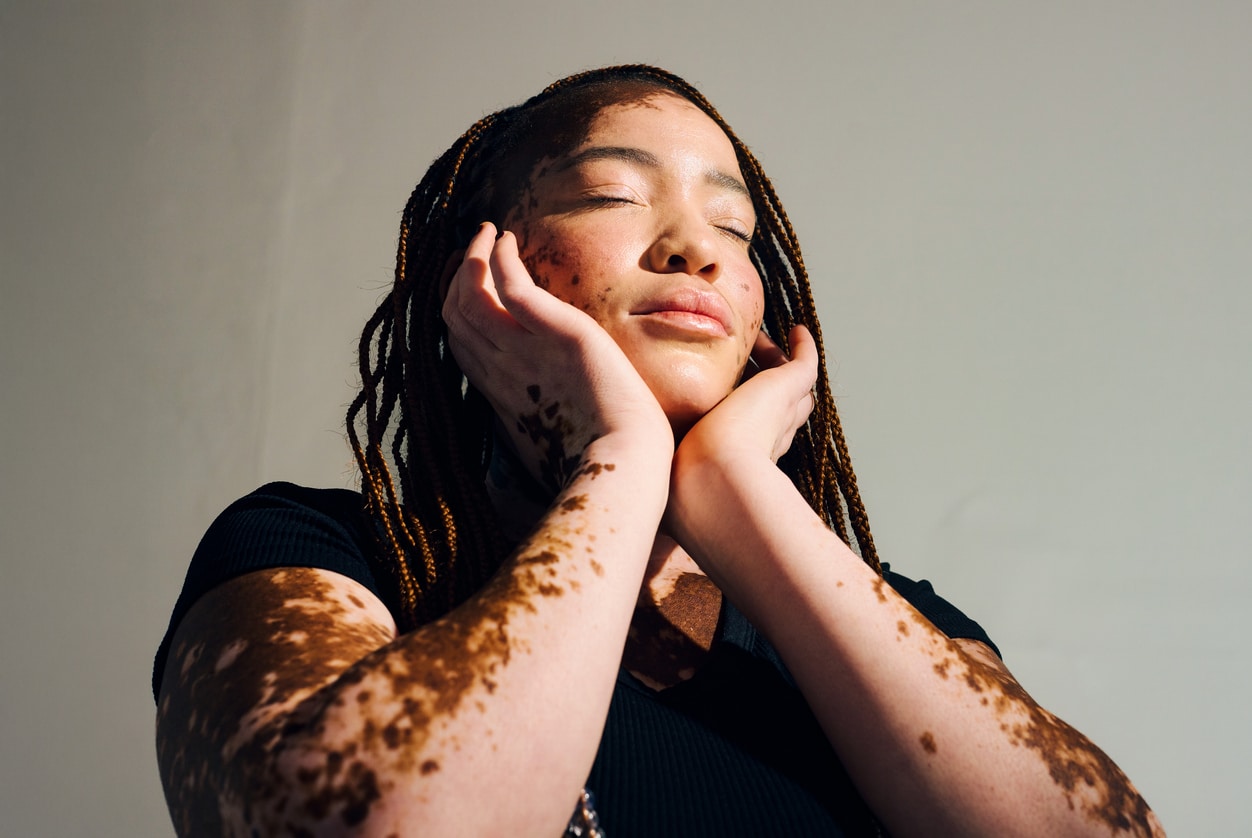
645, 226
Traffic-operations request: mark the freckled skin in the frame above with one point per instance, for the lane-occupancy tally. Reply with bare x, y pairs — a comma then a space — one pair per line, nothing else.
293, 773
582, 239
573, 503
194, 758
548, 431
927, 740
558, 443
594, 469
1086, 776
277, 769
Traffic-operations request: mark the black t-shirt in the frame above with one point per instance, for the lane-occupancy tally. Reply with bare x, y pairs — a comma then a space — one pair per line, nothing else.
734, 750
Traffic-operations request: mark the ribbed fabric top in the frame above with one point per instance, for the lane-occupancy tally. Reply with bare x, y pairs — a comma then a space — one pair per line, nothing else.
734, 751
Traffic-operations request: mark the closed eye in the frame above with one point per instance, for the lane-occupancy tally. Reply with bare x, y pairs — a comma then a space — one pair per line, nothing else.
736, 231
608, 200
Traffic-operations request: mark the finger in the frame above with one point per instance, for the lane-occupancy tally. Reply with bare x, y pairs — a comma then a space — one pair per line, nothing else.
803, 347
513, 282
532, 307
474, 257
478, 261
804, 353
472, 310
800, 415
805, 408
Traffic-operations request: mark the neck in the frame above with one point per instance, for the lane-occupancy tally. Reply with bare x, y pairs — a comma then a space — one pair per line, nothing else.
675, 618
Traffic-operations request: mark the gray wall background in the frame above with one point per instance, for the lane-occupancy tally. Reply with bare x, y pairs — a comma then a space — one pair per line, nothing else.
1028, 225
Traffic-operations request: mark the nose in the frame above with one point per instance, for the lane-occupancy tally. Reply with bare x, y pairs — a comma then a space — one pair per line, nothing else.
688, 247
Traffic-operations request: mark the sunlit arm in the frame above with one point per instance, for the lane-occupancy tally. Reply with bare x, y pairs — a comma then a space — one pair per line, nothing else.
937, 735
290, 706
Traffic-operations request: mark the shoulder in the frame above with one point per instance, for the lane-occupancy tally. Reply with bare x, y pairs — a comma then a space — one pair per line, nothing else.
279, 525
286, 506
248, 660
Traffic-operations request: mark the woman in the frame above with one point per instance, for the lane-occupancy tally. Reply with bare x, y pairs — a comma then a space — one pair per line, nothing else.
593, 572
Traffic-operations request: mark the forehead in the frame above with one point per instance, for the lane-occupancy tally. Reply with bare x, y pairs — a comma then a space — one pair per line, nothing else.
664, 124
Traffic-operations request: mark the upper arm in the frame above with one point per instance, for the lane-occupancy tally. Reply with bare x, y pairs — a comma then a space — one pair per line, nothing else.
250, 656
982, 653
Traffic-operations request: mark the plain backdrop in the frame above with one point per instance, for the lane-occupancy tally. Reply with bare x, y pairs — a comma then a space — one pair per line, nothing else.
1029, 226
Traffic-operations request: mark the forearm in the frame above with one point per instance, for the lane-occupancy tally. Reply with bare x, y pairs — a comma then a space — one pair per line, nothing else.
937, 740
497, 708
290, 704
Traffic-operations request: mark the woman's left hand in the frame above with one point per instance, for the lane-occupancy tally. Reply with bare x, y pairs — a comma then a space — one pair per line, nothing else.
749, 430
761, 416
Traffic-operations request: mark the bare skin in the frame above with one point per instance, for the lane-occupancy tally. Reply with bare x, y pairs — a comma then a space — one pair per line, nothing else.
263, 745
675, 618
976, 755
290, 705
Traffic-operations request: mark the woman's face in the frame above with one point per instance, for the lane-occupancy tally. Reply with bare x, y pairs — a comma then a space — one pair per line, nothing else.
645, 226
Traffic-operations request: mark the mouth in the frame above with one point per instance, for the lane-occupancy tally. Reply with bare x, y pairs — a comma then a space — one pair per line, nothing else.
690, 309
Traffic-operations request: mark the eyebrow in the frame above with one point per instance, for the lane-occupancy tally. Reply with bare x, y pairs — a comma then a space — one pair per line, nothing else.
639, 157
611, 152
727, 181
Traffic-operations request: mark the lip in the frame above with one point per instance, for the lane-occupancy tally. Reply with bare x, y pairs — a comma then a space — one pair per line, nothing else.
693, 305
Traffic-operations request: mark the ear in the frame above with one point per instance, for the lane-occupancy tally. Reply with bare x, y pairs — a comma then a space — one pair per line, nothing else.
449, 271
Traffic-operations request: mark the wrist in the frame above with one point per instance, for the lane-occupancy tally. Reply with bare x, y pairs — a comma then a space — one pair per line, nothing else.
732, 511
646, 453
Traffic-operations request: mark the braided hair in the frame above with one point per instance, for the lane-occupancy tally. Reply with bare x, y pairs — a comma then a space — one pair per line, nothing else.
422, 436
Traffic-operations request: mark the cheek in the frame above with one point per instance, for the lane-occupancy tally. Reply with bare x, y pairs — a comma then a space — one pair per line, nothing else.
566, 266
543, 258
751, 302
752, 305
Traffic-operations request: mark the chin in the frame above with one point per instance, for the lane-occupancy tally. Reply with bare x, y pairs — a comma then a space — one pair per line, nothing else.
687, 391
683, 411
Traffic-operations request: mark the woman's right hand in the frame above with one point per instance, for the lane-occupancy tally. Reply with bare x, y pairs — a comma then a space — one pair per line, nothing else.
554, 377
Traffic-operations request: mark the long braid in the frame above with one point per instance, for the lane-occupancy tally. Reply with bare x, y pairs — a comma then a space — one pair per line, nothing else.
439, 536
437, 529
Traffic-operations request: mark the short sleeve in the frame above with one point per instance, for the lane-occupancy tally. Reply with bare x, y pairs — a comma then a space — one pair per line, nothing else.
278, 525
947, 617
